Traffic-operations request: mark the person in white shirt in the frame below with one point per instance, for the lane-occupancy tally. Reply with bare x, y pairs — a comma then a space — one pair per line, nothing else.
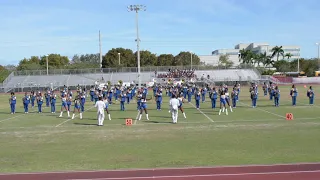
174, 107
100, 105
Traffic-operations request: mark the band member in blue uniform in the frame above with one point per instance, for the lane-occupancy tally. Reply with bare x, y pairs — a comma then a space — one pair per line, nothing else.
143, 107
40, 102
47, 95
190, 93
69, 101
76, 107
310, 95
82, 103
265, 89
276, 96
197, 98
234, 95
294, 94
53, 100
213, 97
222, 101
64, 105
139, 97
254, 96
33, 98
123, 97
203, 94
181, 100
26, 102
92, 91
129, 95
159, 99
227, 95
13, 102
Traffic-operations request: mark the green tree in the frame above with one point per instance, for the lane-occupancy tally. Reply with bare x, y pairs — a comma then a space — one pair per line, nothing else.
54, 61
246, 56
184, 59
165, 60
277, 51
147, 58
288, 55
3, 73
111, 58
224, 61
29, 64
282, 66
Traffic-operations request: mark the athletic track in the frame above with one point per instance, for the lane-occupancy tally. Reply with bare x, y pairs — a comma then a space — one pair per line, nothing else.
259, 172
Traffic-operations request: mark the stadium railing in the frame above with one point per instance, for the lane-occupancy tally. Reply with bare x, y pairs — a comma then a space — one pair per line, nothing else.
121, 69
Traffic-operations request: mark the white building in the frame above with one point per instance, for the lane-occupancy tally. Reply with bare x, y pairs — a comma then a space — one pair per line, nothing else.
254, 47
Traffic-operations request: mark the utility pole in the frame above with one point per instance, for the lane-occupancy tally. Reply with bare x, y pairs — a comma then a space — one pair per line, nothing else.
100, 51
137, 8
318, 44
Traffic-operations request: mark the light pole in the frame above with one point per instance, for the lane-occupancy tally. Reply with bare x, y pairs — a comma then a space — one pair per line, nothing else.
191, 59
298, 61
137, 8
318, 44
119, 58
47, 62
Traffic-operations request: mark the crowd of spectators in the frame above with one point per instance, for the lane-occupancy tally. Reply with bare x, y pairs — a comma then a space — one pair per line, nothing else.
177, 74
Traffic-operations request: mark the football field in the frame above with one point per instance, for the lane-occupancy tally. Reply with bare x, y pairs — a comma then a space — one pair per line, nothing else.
43, 142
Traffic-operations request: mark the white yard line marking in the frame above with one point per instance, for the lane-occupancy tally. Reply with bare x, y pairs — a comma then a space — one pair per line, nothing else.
205, 175
169, 168
17, 116
71, 119
264, 110
166, 123
202, 112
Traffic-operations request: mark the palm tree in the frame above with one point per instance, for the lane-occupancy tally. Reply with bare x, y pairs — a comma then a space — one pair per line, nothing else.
277, 51
268, 61
246, 56
288, 55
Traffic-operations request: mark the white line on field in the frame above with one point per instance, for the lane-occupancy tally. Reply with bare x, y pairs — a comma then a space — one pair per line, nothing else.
205, 175
181, 122
264, 110
71, 119
16, 116
202, 112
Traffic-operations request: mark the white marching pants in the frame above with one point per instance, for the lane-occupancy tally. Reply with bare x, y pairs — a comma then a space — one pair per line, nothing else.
100, 118
174, 114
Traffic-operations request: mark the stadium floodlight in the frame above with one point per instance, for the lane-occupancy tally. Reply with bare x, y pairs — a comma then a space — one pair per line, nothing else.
47, 63
190, 59
137, 8
119, 57
318, 44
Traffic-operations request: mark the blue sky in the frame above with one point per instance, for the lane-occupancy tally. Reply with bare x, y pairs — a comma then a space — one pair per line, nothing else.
68, 27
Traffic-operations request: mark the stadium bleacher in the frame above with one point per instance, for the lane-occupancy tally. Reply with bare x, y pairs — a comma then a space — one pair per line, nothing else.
27, 81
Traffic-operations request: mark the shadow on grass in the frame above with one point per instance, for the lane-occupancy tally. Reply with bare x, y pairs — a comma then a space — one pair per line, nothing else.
157, 122
85, 124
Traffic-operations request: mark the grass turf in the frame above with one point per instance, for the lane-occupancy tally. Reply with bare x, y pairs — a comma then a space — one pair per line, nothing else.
42, 142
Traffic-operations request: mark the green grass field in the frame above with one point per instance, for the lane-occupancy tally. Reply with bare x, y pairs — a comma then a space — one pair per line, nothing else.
42, 142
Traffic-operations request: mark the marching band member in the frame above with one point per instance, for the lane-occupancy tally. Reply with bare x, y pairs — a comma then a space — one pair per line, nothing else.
123, 97
76, 103
53, 100
222, 102
13, 102
310, 95
181, 101
26, 102
213, 96
234, 95
197, 98
40, 102
276, 96
294, 94
107, 107
33, 98
174, 104
143, 106
64, 105
100, 105
159, 99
